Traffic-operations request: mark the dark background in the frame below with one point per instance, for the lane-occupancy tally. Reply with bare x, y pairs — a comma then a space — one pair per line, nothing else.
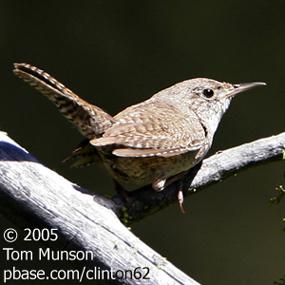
116, 53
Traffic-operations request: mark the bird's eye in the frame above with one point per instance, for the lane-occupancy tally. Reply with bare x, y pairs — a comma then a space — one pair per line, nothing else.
208, 92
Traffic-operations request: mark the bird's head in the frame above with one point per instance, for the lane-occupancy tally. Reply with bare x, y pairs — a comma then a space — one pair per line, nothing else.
207, 98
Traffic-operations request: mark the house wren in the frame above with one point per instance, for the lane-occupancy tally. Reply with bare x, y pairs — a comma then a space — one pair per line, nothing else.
148, 143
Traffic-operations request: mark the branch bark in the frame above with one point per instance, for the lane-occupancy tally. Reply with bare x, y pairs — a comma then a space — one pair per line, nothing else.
31, 192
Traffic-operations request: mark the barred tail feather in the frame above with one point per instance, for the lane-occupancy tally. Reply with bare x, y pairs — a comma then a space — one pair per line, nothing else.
91, 120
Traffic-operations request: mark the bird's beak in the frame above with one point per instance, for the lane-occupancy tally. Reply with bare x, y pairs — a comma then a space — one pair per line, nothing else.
238, 88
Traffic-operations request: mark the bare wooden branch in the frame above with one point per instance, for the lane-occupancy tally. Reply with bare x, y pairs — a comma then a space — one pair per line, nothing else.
35, 192
90, 221
145, 201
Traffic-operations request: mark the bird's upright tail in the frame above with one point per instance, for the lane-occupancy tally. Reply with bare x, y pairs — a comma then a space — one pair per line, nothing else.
90, 120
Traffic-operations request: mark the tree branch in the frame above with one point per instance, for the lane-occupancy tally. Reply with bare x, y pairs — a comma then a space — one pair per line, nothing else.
145, 201
34, 192
31, 192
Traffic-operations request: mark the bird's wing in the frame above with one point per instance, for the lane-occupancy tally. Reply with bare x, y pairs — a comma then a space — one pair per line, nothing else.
89, 119
151, 129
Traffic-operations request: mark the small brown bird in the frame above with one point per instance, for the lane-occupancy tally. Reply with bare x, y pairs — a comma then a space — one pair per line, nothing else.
152, 142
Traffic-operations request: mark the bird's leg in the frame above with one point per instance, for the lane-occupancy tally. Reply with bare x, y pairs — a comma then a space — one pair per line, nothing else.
160, 184
122, 192
180, 197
